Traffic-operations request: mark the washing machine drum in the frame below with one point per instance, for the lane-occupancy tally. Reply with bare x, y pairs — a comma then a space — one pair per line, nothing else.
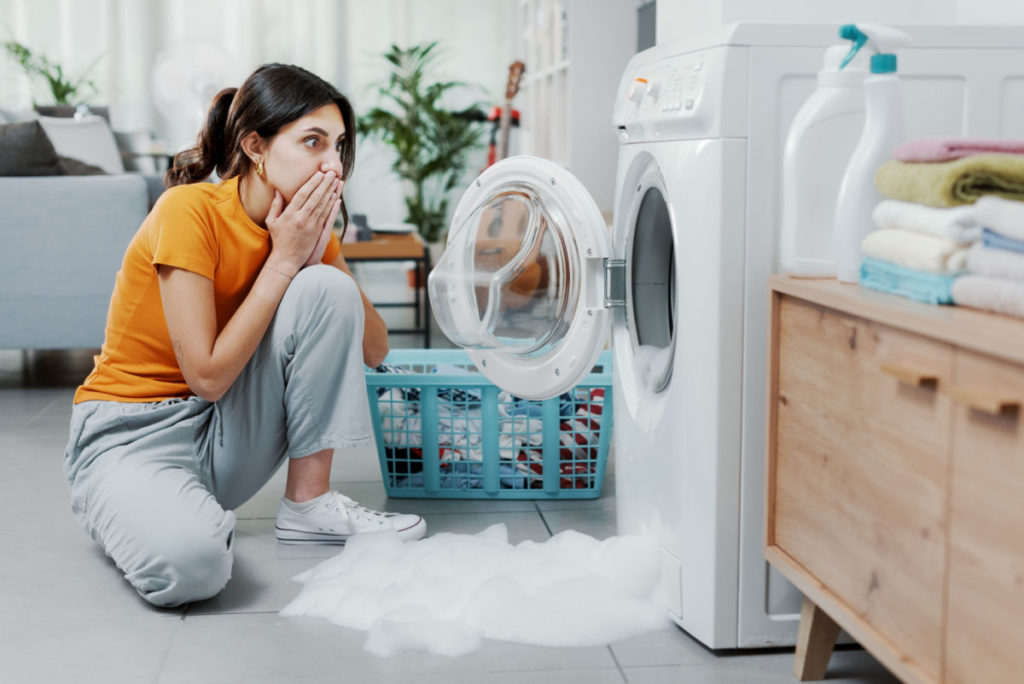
521, 282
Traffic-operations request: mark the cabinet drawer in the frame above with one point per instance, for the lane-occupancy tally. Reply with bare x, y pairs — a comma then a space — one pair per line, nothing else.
986, 558
861, 469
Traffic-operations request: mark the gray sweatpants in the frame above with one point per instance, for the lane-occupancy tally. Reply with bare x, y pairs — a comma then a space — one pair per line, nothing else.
154, 483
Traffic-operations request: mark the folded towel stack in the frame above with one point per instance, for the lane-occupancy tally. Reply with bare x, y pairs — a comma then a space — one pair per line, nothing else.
995, 264
929, 219
918, 240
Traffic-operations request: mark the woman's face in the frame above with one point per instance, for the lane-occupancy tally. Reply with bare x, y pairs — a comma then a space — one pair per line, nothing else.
303, 147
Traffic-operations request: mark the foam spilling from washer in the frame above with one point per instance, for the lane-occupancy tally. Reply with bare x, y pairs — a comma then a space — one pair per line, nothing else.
445, 593
650, 364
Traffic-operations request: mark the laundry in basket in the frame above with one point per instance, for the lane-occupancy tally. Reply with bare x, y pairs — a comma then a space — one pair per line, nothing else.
443, 430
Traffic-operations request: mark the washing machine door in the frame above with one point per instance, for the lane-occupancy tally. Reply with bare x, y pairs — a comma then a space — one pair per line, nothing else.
521, 284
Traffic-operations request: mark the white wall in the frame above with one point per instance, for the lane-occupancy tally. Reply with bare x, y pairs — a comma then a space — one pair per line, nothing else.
990, 12
678, 18
338, 39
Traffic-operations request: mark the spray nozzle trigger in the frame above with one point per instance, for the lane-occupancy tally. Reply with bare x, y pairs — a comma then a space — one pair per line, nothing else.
851, 32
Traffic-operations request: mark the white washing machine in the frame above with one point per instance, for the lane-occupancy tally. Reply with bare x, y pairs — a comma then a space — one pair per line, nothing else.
531, 282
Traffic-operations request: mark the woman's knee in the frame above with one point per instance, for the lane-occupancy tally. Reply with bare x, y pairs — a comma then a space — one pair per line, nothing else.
329, 291
190, 565
322, 279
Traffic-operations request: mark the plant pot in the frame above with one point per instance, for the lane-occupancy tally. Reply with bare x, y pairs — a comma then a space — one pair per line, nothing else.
415, 278
436, 250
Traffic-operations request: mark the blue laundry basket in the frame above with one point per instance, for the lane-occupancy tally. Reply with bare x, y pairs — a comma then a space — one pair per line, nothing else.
444, 431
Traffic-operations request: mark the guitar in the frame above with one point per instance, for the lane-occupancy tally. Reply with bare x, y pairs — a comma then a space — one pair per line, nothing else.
515, 75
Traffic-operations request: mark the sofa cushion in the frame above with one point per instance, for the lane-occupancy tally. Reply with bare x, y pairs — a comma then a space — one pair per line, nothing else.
61, 242
87, 138
27, 151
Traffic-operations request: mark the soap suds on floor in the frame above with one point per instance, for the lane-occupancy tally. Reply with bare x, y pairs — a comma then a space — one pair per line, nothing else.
445, 593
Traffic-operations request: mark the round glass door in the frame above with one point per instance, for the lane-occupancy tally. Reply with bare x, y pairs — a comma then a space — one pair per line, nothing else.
517, 265
520, 284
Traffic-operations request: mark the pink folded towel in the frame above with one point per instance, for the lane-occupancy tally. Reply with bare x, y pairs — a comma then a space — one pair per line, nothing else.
947, 149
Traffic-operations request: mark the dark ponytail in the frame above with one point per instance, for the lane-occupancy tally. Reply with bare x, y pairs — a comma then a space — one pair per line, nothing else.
272, 97
197, 163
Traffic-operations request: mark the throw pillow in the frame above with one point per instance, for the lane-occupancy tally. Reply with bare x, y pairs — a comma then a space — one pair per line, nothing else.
27, 151
74, 167
87, 138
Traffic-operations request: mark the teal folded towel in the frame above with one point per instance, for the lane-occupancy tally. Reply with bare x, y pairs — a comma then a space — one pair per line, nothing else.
929, 288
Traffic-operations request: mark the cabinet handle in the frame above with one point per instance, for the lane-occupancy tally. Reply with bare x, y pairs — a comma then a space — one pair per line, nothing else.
984, 401
914, 377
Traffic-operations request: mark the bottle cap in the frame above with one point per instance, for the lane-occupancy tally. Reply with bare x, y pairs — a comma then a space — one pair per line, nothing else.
883, 63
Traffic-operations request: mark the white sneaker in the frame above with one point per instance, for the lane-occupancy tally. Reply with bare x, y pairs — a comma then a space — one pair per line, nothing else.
332, 518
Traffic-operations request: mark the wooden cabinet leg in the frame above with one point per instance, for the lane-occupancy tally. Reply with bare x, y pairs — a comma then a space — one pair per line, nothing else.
814, 642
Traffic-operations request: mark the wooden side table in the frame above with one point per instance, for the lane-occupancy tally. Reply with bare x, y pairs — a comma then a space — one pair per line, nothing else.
399, 247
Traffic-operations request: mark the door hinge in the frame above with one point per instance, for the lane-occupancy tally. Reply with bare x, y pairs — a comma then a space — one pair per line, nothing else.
614, 282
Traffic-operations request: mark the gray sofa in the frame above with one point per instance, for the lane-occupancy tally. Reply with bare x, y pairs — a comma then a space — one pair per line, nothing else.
62, 239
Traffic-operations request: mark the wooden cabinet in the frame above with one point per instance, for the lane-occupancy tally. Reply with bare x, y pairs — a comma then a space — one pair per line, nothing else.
861, 473
985, 635
894, 506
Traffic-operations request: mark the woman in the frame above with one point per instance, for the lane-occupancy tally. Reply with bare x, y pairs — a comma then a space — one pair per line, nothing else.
235, 340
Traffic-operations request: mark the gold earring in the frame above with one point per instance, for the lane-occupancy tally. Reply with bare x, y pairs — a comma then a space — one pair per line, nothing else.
259, 168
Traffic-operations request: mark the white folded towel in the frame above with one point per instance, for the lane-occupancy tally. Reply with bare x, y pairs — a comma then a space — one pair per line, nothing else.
990, 294
1002, 216
918, 251
998, 263
955, 223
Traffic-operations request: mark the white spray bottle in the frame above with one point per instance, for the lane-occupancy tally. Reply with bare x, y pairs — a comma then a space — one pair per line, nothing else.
883, 131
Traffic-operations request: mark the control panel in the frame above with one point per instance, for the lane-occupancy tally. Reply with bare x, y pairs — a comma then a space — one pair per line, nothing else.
700, 94
682, 87
666, 87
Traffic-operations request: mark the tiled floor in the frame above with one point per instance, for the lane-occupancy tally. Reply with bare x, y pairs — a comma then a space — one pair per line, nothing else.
66, 614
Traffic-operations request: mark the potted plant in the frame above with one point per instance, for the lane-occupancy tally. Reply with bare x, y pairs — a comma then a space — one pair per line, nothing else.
431, 142
67, 92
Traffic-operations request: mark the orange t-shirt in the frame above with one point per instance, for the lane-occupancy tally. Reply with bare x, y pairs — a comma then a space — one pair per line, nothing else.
200, 227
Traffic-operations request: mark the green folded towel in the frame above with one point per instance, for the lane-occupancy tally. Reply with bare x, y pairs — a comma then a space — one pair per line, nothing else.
948, 184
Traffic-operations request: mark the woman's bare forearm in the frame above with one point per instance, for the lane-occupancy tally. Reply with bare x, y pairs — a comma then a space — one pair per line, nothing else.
210, 362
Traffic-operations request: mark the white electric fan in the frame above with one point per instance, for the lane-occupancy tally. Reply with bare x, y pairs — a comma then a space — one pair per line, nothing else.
184, 80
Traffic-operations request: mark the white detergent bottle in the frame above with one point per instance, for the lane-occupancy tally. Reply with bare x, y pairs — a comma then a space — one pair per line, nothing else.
883, 131
821, 139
